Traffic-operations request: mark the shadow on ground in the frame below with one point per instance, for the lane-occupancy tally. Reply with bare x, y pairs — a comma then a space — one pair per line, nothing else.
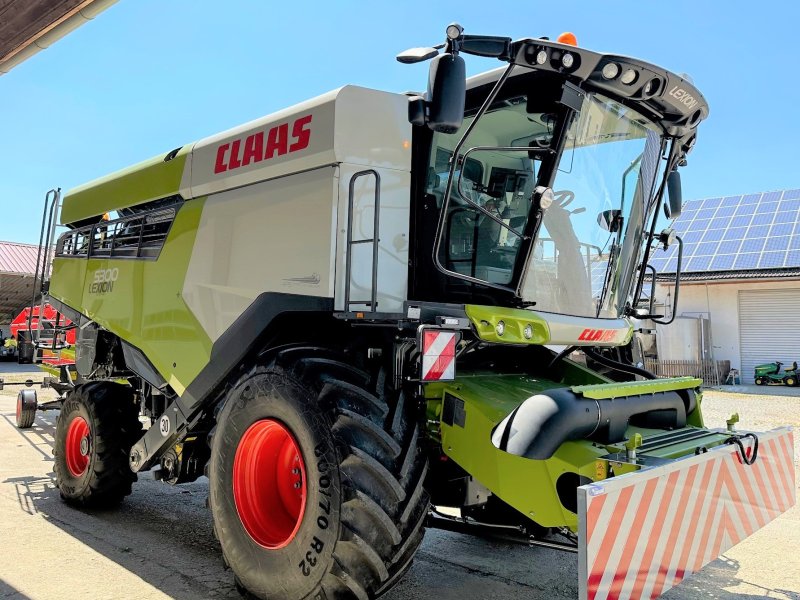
13, 367
163, 535
11, 593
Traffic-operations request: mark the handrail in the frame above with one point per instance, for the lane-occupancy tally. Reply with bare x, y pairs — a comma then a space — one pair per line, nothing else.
375, 239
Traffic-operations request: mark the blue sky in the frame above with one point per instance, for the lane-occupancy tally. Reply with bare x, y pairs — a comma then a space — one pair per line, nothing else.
149, 75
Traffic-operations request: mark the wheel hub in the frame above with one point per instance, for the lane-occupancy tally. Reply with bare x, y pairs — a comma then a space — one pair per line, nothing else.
269, 484
76, 446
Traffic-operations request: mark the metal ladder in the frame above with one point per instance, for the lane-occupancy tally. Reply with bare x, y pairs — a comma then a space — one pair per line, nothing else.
374, 240
44, 260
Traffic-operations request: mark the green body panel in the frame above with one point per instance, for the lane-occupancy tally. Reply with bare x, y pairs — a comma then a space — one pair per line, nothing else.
148, 180
578, 374
530, 485
633, 388
485, 319
527, 485
766, 369
145, 306
696, 418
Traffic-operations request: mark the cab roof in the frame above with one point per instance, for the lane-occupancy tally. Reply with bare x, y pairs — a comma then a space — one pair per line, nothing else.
668, 99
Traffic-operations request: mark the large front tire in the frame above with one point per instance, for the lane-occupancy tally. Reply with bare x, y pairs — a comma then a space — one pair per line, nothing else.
97, 426
304, 439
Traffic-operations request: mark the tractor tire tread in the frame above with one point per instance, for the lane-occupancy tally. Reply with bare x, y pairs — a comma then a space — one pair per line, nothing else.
116, 428
381, 469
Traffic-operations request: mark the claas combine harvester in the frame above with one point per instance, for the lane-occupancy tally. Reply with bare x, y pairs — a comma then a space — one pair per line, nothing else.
372, 313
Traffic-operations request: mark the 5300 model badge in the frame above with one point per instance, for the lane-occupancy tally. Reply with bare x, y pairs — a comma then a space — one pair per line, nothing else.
103, 281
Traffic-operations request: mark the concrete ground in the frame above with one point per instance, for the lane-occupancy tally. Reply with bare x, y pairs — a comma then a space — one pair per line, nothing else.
760, 390
158, 544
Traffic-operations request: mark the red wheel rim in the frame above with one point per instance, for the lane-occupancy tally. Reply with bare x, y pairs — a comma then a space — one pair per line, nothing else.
269, 484
76, 447
19, 406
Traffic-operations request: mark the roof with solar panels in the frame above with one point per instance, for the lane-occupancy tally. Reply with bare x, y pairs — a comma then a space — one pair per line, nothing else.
754, 236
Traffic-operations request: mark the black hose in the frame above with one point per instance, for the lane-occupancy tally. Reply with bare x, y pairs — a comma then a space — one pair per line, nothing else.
558, 357
617, 366
743, 456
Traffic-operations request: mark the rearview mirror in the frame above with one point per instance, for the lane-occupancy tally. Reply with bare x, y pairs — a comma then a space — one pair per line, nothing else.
447, 90
672, 208
415, 55
610, 220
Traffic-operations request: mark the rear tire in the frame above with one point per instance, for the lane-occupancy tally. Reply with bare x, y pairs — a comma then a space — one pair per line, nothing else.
364, 505
26, 408
790, 381
95, 431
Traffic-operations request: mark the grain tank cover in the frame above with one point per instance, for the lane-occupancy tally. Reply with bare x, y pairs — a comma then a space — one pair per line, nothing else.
352, 124
349, 125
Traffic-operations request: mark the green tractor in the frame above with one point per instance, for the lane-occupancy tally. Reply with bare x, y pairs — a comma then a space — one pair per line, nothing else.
372, 313
771, 373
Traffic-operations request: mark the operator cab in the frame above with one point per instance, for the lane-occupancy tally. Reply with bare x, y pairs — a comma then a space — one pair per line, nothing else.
543, 195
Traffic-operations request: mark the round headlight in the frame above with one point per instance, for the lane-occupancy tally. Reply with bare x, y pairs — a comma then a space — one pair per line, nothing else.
500, 328
454, 30
567, 60
545, 196
528, 331
610, 71
628, 77
541, 57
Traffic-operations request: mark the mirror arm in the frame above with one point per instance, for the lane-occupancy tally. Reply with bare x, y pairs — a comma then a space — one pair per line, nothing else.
659, 197
485, 45
651, 309
677, 284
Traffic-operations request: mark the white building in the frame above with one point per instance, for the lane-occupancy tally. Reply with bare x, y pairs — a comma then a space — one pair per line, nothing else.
739, 298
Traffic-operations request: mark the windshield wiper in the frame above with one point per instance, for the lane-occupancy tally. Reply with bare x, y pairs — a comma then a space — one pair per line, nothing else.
612, 259
636, 161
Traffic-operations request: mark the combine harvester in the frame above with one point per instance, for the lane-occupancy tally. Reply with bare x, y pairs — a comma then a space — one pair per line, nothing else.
369, 307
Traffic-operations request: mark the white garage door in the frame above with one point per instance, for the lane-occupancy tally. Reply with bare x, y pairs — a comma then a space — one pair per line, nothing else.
768, 329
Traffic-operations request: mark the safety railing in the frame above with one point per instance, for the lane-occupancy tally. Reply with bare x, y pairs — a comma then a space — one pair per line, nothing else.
711, 372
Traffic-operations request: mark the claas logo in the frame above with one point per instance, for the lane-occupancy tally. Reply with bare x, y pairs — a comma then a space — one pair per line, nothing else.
264, 145
598, 335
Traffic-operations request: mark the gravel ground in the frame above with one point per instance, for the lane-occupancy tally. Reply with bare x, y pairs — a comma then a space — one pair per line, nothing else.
133, 552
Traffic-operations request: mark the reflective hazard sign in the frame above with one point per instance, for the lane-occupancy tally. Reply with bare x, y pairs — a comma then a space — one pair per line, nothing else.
438, 355
643, 533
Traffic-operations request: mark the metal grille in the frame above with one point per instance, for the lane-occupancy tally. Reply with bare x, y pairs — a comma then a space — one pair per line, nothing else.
137, 236
711, 372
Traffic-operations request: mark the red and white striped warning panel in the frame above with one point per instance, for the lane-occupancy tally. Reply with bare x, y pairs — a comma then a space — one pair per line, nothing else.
438, 355
643, 533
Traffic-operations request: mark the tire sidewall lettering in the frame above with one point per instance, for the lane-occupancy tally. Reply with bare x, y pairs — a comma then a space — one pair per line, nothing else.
272, 395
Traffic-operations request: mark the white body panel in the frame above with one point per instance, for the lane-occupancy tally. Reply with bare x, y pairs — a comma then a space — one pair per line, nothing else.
276, 236
568, 330
393, 238
276, 215
351, 124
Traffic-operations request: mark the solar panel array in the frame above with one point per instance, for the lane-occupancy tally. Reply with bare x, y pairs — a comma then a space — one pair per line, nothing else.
755, 231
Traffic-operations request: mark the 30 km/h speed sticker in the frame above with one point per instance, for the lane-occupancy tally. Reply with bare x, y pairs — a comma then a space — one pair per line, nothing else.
163, 425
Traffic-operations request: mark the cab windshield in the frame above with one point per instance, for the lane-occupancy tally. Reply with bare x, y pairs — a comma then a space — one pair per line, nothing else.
588, 241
